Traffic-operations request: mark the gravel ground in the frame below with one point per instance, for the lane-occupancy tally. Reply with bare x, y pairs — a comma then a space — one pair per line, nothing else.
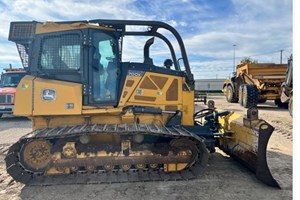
223, 179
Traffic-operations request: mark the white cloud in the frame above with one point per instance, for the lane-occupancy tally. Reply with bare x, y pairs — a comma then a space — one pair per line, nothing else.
56, 10
254, 26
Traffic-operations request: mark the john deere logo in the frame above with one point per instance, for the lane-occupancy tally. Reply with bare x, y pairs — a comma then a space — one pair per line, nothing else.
48, 95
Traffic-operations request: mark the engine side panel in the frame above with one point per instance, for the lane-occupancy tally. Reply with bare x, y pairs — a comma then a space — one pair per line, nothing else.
37, 96
57, 97
157, 89
23, 99
188, 108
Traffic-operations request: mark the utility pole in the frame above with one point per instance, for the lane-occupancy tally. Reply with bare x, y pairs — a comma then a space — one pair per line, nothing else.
281, 55
234, 57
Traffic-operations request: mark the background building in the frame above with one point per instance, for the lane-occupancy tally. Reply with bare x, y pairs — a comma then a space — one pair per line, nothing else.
209, 85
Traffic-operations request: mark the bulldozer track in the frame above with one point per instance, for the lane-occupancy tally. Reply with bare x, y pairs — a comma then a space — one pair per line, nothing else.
21, 174
4, 149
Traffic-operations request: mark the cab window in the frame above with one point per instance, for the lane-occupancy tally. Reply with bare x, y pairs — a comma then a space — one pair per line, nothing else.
104, 68
61, 52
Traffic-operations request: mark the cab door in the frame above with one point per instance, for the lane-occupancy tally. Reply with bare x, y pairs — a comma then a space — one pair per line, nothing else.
103, 69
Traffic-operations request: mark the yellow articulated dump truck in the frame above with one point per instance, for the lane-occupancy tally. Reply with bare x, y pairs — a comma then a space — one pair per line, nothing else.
99, 119
255, 83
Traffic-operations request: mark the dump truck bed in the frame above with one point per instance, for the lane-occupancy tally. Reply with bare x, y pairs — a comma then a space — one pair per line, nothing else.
264, 71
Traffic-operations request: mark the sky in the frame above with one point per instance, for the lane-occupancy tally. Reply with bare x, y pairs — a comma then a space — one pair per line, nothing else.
209, 28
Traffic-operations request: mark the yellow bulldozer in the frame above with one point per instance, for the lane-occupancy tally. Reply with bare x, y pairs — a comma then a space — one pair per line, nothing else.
98, 119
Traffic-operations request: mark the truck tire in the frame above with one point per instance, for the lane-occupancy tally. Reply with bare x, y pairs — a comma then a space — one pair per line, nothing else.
230, 95
291, 106
279, 104
241, 88
262, 100
250, 96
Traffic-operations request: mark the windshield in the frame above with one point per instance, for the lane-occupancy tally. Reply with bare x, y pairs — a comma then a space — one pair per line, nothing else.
11, 79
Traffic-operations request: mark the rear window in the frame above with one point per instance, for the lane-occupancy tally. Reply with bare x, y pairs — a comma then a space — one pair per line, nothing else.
60, 52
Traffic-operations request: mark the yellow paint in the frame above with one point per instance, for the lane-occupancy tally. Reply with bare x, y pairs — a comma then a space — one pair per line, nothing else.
53, 171
105, 119
49, 27
128, 117
184, 98
262, 69
225, 121
188, 108
69, 150
66, 92
260, 74
228, 94
101, 153
49, 114
103, 110
160, 100
50, 171
241, 135
129, 90
145, 118
82, 155
174, 167
23, 98
40, 122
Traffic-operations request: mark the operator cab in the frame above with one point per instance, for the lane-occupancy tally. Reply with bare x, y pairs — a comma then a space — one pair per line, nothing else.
90, 53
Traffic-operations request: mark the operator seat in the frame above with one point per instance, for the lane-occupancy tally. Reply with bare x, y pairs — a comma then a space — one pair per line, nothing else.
168, 63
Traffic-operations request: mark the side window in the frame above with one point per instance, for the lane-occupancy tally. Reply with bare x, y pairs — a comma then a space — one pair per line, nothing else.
60, 52
159, 52
104, 68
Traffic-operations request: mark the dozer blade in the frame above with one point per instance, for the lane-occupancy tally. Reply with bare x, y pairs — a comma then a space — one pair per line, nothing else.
246, 140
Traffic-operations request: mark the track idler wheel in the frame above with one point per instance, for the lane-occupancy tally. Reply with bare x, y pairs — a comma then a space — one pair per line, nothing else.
90, 168
140, 166
108, 168
125, 168
153, 166
186, 146
74, 169
37, 155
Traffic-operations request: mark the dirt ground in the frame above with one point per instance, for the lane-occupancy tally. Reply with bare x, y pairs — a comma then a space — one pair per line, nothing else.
223, 179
